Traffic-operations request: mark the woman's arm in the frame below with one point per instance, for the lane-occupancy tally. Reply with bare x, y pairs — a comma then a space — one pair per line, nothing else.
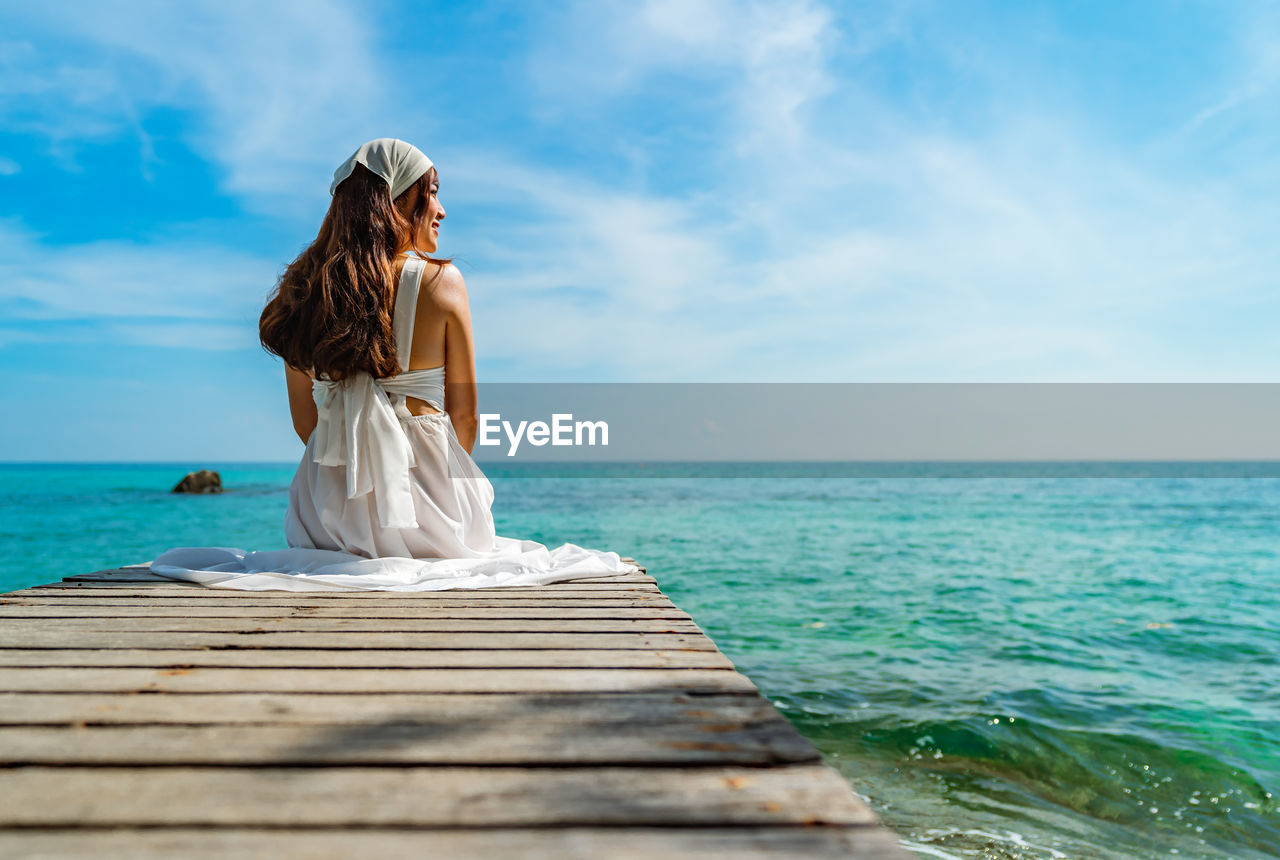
302, 405
460, 399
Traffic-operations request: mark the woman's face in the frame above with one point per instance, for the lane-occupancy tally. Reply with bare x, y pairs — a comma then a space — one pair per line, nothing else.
429, 237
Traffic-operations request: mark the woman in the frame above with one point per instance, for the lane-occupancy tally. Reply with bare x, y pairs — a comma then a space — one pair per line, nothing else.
376, 339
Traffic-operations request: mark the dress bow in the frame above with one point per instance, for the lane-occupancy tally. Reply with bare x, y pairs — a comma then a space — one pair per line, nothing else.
358, 428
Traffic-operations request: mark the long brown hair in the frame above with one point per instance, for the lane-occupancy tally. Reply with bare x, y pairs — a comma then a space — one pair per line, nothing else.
331, 310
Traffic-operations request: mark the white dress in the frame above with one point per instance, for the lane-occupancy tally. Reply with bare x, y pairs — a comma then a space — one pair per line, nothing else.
386, 500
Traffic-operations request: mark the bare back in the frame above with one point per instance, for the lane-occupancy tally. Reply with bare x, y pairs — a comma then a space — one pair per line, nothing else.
441, 333
441, 336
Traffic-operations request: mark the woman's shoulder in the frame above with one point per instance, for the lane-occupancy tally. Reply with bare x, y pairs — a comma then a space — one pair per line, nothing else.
443, 285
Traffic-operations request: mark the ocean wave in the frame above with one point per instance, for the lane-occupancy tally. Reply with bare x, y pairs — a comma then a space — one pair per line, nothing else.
1157, 789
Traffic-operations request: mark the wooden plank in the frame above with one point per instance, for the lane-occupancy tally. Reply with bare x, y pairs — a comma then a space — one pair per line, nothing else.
16, 603
348, 708
561, 843
365, 610
540, 743
37, 636
217, 680
337, 608
366, 625
312, 658
218, 597
626, 577
135, 569
118, 575
495, 596
189, 589
140, 575
426, 796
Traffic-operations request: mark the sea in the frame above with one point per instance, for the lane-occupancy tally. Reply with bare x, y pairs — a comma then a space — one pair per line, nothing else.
1068, 662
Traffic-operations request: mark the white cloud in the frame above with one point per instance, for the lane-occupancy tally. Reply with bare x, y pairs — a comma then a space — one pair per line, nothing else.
1256, 75
206, 335
274, 89
763, 63
777, 52
181, 295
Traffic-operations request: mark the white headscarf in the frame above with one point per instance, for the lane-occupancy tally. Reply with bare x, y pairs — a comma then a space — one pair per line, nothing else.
398, 162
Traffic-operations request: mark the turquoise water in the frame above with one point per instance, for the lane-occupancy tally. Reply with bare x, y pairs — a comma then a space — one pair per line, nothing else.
1006, 667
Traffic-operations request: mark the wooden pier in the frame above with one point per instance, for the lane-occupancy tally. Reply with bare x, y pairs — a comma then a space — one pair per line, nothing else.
144, 717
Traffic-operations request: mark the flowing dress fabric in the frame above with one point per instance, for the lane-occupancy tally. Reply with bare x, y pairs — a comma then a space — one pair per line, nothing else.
386, 500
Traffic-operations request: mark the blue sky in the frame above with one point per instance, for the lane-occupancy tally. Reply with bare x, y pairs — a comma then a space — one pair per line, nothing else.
661, 191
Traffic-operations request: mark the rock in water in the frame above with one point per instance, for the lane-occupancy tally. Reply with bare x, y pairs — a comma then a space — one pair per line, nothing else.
204, 481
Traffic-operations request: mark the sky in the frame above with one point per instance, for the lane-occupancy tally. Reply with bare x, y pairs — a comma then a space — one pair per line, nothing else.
654, 191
